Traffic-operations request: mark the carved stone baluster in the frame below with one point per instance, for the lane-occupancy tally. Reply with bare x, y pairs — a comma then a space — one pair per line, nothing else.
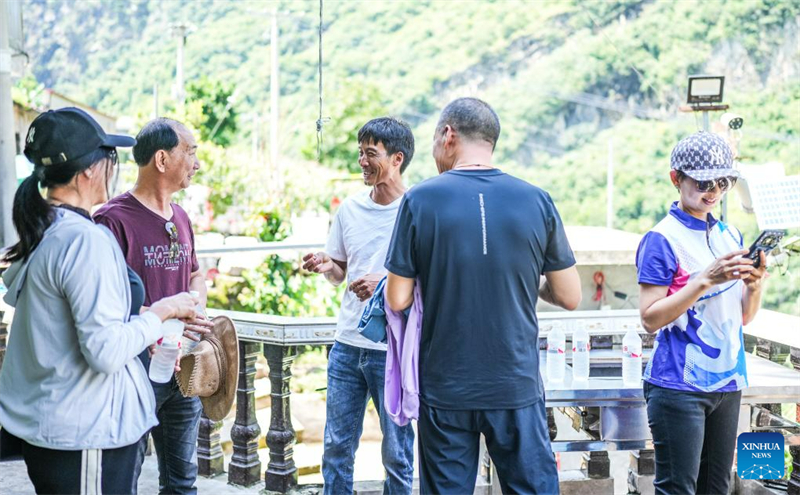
794, 358
281, 474
3, 339
641, 473
245, 467
767, 350
210, 459
601, 341
596, 465
794, 480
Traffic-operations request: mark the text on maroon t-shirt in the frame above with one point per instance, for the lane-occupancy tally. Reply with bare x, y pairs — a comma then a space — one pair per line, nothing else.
145, 241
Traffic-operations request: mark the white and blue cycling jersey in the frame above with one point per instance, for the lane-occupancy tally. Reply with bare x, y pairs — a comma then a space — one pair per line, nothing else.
703, 350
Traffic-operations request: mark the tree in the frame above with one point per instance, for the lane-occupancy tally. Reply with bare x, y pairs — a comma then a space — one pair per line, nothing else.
210, 109
351, 107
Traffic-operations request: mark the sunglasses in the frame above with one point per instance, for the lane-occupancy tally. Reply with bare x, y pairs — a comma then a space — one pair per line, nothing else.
174, 247
723, 183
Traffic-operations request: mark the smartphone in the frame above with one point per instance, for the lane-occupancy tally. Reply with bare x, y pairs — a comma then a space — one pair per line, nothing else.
766, 242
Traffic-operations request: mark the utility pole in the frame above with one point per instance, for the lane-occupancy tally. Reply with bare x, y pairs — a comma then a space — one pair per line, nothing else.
8, 145
155, 101
274, 94
610, 186
180, 31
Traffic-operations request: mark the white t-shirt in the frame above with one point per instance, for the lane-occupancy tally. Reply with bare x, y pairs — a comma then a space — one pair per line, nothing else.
360, 235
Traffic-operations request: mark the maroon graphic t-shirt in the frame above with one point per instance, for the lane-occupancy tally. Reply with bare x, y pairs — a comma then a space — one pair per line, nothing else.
164, 265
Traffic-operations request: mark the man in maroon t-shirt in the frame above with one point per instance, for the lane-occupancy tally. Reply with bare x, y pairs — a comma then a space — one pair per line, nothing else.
158, 242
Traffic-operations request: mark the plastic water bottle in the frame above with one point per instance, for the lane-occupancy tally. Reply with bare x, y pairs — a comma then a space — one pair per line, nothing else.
187, 343
580, 352
631, 358
542, 343
162, 366
556, 353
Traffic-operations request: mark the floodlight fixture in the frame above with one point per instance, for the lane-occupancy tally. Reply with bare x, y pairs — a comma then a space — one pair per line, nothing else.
705, 90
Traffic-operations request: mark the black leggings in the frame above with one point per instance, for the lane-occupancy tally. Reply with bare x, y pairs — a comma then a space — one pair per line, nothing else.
84, 472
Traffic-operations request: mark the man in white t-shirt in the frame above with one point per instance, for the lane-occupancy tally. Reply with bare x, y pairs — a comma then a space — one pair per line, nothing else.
356, 250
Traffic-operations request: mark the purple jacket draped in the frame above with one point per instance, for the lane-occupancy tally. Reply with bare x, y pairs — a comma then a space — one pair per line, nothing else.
401, 392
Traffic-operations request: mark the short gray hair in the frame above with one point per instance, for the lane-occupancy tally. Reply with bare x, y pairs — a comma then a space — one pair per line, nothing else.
473, 119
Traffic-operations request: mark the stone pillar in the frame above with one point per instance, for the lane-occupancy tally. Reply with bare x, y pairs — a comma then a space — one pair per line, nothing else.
552, 428
210, 459
794, 358
281, 474
766, 349
641, 473
794, 480
602, 341
245, 467
596, 465
3, 339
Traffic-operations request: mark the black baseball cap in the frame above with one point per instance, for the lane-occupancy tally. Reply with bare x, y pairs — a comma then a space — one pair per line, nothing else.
57, 136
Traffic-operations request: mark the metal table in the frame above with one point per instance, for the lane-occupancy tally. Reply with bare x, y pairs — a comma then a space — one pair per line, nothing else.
622, 419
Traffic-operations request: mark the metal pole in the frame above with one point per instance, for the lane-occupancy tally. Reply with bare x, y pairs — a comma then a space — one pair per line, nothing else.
155, 101
274, 93
8, 145
724, 203
254, 137
180, 93
610, 187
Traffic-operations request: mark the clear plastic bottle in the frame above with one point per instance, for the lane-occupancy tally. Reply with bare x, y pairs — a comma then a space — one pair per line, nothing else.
556, 353
580, 351
162, 365
543, 358
631, 358
187, 343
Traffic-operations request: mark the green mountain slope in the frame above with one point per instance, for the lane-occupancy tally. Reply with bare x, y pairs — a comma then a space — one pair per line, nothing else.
566, 77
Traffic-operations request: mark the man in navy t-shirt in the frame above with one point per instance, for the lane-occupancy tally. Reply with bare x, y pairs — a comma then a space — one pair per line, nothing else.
478, 241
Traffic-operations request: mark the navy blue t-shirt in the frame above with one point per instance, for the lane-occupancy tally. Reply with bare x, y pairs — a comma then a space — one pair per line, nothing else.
478, 242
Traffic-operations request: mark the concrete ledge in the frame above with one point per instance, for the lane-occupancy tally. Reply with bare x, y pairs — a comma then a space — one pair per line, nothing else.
575, 482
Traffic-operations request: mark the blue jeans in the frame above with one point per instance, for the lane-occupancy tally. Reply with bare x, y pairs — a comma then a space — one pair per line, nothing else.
175, 439
694, 436
518, 442
355, 375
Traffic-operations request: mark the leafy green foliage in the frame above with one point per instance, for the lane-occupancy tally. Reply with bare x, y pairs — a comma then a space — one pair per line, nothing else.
28, 92
565, 77
353, 104
278, 286
211, 111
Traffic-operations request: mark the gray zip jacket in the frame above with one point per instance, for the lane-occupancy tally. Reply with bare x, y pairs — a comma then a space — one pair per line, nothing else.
71, 379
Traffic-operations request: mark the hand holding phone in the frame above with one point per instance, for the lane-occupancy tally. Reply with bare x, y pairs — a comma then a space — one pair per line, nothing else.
766, 242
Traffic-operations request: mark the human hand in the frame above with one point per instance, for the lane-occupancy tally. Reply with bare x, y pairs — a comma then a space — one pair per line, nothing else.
317, 263
365, 286
754, 278
178, 306
732, 266
194, 328
178, 360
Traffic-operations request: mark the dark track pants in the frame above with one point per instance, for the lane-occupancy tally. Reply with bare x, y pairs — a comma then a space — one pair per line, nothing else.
89, 472
517, 440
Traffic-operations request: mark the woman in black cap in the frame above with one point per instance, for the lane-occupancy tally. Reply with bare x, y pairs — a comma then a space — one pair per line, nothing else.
696, 292
71, 388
